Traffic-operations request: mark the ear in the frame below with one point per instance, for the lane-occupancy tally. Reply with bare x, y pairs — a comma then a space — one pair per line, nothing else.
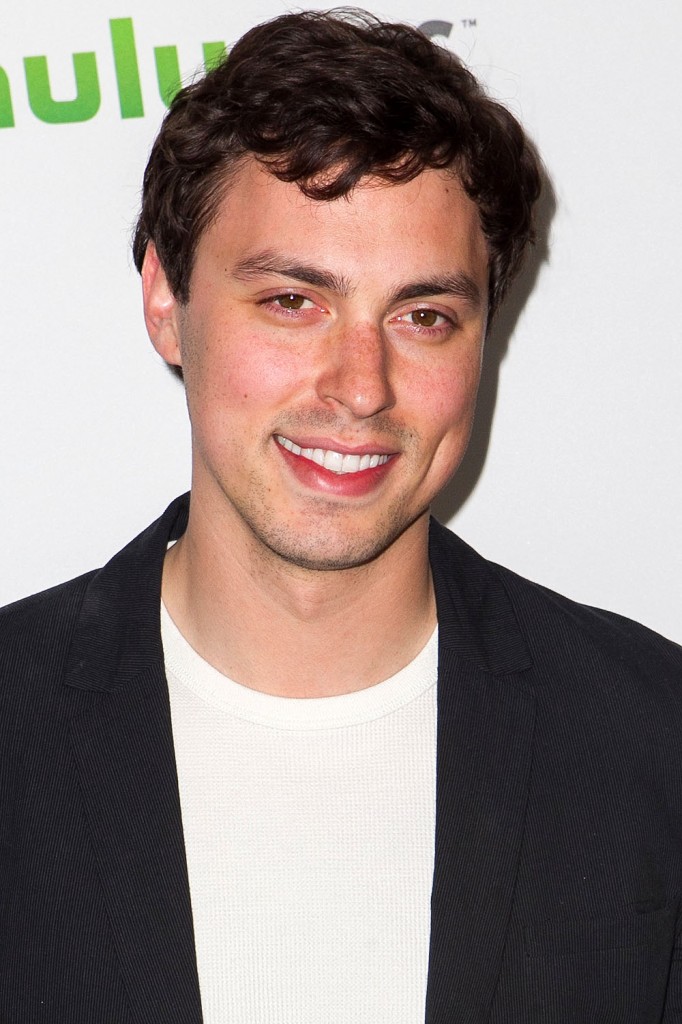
160, 308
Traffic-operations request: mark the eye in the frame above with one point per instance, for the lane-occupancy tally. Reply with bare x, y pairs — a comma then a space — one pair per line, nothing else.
426, 318
290, 300
292, 309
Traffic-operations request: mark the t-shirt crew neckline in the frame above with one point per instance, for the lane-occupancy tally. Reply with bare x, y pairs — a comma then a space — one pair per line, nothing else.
300, 713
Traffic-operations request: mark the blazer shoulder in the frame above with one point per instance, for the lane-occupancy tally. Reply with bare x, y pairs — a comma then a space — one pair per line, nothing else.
547, 615
564, 637
35, 634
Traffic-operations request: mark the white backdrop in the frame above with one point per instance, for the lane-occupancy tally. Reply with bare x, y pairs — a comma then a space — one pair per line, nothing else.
573, 477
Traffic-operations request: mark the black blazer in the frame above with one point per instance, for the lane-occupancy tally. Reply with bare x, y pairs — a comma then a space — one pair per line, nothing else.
558, 867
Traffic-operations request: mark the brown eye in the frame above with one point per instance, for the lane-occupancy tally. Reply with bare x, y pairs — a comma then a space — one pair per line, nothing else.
291, 301
424, 317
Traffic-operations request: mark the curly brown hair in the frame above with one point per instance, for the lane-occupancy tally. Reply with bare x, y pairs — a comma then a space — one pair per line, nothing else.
324, 99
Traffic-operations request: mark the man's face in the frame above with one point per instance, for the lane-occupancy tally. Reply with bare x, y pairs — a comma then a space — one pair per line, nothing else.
331, 354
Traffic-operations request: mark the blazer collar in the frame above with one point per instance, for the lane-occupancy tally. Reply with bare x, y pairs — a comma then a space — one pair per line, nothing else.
119, 633
123, 751
476, 620
486, 719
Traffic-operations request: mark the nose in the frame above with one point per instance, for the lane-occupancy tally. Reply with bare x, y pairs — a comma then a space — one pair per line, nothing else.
356, 371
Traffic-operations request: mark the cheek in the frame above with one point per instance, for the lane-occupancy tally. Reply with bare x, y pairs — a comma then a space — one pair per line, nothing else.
446, 410
448, 399
241, 372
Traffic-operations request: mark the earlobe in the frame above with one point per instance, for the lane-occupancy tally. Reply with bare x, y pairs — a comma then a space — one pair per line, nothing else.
160, 308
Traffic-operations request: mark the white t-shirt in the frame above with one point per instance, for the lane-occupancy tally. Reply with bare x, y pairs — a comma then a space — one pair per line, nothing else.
309, 830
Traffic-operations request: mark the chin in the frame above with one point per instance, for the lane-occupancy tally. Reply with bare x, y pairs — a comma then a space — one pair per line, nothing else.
329, 550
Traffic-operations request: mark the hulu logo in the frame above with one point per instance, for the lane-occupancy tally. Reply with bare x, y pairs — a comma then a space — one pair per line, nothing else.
124, 51
87, 100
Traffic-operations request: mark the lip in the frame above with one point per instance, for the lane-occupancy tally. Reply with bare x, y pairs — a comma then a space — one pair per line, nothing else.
330, 444
316, 478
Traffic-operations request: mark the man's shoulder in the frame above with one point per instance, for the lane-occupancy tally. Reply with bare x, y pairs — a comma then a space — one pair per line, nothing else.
543, 610
36, 630
61, 596
90, 620
49, 610
606, 690
565, 636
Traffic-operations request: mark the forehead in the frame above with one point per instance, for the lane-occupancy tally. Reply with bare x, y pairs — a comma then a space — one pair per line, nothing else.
378, 228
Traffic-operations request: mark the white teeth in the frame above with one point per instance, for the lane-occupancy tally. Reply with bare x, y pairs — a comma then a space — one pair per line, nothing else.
351, 464
335, 462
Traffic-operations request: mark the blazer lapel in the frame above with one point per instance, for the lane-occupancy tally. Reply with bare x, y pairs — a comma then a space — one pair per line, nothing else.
485, 739
123, 748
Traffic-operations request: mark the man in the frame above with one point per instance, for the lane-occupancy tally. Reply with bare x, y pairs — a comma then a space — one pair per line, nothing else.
228, 787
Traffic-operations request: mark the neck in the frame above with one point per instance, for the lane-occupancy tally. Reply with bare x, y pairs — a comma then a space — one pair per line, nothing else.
295, 632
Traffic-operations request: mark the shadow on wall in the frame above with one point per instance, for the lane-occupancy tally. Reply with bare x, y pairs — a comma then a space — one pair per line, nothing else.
455, 494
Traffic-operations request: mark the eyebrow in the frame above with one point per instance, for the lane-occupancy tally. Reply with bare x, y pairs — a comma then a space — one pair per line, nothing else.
459, 284
268, 261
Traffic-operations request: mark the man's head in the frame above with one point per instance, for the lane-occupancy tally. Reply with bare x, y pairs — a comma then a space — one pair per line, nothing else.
328, 218
326, 100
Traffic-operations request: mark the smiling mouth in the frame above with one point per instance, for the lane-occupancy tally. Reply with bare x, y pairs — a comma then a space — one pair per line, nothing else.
335, 462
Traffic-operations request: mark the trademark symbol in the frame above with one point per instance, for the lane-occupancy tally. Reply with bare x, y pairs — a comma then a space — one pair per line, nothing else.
468, 22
